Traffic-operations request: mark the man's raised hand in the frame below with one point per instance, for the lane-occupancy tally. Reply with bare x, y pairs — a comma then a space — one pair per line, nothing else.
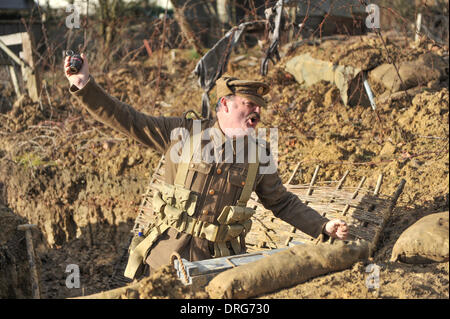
81, 78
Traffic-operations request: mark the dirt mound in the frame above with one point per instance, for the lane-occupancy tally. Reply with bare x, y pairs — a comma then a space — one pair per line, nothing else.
163, 284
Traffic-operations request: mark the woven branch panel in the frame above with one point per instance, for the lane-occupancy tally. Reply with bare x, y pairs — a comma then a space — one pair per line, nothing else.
365, 214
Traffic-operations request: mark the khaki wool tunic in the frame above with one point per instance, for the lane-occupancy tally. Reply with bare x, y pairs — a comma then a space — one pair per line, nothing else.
218, 184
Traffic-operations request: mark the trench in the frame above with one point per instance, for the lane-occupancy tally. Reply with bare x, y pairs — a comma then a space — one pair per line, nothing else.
84, 218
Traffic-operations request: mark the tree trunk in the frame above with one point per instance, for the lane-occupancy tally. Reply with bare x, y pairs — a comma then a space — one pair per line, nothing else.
223, 11
199, 23
186, 26
108, 14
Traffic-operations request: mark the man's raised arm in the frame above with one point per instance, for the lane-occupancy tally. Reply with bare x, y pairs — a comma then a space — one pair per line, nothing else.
149, 130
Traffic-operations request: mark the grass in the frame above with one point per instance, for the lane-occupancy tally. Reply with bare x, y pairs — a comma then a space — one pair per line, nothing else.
30, 160
193, 55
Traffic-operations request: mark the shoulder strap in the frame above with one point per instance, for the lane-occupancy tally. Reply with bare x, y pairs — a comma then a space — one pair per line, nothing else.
186, 157
249, 182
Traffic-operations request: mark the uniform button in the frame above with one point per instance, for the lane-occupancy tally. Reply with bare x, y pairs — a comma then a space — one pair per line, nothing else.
211, 192
243, 183
219, 171
192, 165
205, 212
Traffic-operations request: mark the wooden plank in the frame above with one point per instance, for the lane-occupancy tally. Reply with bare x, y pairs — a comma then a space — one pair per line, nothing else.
31, 75
12, 39
11, 54
13, 74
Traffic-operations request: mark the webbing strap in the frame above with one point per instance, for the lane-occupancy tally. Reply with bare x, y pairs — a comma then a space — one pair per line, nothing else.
136, 258
186, 157
249, 182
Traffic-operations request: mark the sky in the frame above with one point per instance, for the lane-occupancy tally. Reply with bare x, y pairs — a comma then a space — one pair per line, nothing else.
82, 3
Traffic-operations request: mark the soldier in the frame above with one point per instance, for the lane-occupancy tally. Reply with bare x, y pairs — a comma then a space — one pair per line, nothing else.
202, 206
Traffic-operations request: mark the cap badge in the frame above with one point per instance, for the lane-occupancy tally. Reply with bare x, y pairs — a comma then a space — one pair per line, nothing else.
260, 90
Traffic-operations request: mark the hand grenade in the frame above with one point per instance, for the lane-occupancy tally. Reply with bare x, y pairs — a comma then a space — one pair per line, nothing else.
75, 62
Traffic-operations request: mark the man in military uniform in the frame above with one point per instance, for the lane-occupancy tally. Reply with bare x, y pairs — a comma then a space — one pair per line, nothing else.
202, 206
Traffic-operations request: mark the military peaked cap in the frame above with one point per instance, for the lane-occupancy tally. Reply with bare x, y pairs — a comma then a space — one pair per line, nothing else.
251, 90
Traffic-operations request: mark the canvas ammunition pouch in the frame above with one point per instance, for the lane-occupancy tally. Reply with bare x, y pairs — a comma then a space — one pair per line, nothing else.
176, 205
232, 221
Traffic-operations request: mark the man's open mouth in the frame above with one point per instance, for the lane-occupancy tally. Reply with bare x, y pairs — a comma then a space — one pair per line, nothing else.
253, 119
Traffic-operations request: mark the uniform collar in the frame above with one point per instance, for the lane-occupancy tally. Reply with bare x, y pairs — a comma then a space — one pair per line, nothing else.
220, 140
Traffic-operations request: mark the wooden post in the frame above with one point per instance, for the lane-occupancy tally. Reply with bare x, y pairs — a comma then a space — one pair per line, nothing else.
13, 74
293, 173
378, 187
388, 213
418, 27
313, 181
31, 259
310, 191
188, 29
292, 15
30, 74
223, 11
347, 207
340, 183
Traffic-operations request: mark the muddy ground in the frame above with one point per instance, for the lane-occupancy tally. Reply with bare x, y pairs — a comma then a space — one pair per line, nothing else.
81, 182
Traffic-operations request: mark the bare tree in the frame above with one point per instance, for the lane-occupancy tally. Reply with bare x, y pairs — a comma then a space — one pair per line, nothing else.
223, 11
109, 10
199, 22
186, 26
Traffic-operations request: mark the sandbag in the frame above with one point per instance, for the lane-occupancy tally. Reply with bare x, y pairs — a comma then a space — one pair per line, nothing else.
425, 241
286, 268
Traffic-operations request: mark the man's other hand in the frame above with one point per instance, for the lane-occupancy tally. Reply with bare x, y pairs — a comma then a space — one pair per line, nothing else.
81, 78
337, 228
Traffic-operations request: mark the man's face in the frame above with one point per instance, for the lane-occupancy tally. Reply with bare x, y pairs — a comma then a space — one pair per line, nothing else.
238, 115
